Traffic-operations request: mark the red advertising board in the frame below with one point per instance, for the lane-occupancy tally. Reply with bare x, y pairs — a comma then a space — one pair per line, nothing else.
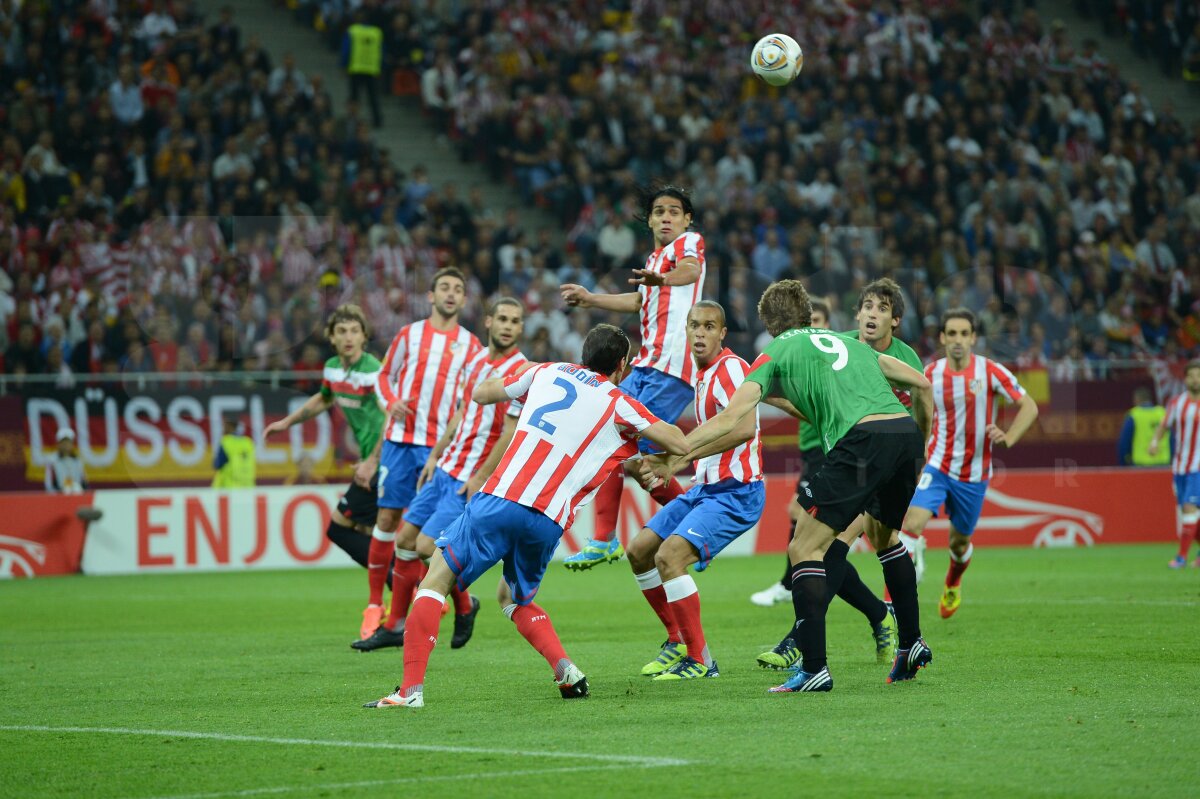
40, 534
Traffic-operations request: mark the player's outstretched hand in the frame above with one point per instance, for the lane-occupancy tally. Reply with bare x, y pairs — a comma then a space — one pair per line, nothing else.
273, 428
426, 473
363, 472
998, 436
646, 278
574, 295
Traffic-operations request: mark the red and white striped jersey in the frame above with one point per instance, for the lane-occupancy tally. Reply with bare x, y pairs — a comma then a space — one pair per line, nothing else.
481, 425
714, 386
1183, 416
424, 367
964, 404
665, 309
575, 429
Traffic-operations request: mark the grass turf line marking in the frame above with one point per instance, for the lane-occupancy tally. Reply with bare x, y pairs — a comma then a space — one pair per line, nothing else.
332, 786
628, 760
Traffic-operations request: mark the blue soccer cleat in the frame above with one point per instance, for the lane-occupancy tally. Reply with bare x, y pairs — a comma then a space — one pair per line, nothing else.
594, 553
910, 661
805, 682
1179, 561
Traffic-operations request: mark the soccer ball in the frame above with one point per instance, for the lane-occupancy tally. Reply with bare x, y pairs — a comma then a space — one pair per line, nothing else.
777, 59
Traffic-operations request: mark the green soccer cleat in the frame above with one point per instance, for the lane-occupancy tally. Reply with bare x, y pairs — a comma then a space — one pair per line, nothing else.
887, 636
670, 654
594, 553
783, 656
689, 669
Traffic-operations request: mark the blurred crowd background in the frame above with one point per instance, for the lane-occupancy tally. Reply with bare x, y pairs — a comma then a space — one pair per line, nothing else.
173, 199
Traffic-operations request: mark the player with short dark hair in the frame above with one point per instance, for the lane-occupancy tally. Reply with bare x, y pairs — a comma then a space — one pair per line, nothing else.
418, 386
463, 458
576, 427
1183, 418
726, 500
959, 453
874, 449
662, 375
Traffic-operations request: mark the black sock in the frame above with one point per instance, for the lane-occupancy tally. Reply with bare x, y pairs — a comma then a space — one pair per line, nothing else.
786, 580
808, 599
901, 578
835, 567
350, 541
855, 593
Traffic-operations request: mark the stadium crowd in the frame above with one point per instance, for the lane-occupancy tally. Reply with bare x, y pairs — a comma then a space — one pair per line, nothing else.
174, 200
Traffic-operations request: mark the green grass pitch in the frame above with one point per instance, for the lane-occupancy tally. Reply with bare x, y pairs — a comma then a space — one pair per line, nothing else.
1065, 673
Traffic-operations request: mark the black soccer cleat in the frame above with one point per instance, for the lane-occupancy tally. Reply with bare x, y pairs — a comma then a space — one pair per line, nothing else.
464, 625
383, 637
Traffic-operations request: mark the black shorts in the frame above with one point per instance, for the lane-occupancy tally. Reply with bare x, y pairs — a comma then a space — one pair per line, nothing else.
358, 503
873, 469
810, 460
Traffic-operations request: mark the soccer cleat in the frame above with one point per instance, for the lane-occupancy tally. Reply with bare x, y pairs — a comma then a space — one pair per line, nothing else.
910, 661
381, 638
805, 682
574, 684
1179, 561
372, 618
594, 553
769, 597
783, 656
951, 599
394, 699
886, 637
670, 654
689, 668
464, 625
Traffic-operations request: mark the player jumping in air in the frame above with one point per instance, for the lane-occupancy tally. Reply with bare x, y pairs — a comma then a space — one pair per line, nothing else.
873, 453
419, 386
349, 382
663, 372
575, 429
959, 453
1183, 418
726, 500
463, 458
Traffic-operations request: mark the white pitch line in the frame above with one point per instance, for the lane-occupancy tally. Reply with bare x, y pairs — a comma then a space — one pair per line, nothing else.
284, 789
628, 760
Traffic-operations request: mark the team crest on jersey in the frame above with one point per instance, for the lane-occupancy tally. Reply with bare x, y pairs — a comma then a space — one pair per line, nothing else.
975, 386
453, 346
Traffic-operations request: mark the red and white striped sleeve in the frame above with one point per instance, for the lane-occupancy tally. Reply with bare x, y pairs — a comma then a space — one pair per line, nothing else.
686, 246
393, 362
1003, 381
516, 386
628, 412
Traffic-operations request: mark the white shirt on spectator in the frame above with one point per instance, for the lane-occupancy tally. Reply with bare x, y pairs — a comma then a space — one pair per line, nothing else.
1156, 257
126, 102
730, 166
155, 26
616, 242
439, 87
924, 106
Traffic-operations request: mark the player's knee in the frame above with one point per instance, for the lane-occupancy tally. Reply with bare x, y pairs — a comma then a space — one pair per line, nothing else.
340, 520
673, 559
425, 546
641, 552
915, 521
504, 594
959, 542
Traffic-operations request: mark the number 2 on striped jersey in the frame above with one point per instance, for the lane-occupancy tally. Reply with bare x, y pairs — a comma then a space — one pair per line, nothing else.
834, 346
538, 420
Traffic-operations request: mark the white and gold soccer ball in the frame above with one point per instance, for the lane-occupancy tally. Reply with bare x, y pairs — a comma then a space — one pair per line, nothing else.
777, 59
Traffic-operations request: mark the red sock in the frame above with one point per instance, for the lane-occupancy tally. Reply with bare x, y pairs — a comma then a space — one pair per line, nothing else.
462, 601
652, 588
608, 506
534, 625
685, 605
667, 492
957, 567
420, 636
379, 555
1186, 537
406, 576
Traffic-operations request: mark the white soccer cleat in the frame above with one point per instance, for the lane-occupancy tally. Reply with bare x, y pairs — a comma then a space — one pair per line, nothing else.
394, 699
916, 546
769, 597
574, 684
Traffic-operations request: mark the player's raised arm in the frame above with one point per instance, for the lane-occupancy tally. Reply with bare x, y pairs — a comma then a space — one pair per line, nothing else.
741, 404
315, 405
579, 297
686, 272
503, 389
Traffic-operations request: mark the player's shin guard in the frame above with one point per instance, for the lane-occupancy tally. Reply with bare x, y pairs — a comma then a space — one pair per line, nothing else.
535, 627
407, 571
684, 599
652, 588
667, 492
901, 577
350, 541
420, 636
608, 506
848, 585
379, 555
958, 565
809, 601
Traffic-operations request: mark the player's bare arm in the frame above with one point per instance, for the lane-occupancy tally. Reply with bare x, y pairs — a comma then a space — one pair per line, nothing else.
667, 436
314, 406
490, 391
476, 480
782, 404
366, 468
665, 467
578, 296
741, 405
1027, 413
897, 371
438, 448
1159, 432
685, 273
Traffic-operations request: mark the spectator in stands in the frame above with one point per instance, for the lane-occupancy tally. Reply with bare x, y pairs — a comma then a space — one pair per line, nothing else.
234, 457
64, 470
362, 56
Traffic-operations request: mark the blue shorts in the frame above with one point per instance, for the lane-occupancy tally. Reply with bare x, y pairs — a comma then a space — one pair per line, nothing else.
710, 517
491, 530
1187, 488
437, 504
399, 467
664, 396
964, 501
